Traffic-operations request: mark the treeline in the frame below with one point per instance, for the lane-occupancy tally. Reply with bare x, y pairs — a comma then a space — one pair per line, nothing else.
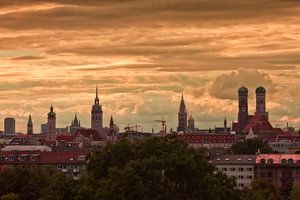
153, 169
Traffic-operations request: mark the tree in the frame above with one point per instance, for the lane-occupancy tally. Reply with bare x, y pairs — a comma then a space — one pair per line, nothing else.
260, 190
157, 168
295, 193
10, 196
250, 146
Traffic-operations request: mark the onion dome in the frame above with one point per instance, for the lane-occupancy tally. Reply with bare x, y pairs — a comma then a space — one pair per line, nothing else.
243, 90
260, 89
51, 113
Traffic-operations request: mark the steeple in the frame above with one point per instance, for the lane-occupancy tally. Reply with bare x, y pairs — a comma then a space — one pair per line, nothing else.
97, 98
29, 126
182, 105
111, 123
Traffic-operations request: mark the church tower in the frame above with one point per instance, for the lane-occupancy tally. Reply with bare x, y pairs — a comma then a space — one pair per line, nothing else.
182, 116
191, 124
261, 103
29, 126
97, 114
51, 125
243, 108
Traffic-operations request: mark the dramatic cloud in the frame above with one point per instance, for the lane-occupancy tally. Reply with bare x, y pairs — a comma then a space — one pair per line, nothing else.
143, 54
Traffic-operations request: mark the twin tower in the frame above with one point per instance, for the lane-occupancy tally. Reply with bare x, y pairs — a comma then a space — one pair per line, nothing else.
260, 113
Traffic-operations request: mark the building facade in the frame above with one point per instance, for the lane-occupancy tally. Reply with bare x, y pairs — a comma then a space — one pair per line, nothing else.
239, 167
9, 126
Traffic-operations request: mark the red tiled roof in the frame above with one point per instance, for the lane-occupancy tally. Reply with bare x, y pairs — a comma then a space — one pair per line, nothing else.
208, 138
258, 124
43, 158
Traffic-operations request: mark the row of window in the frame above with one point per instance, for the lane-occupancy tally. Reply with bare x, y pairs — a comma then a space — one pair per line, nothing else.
19, 158
271, 161
240, 169
243, 177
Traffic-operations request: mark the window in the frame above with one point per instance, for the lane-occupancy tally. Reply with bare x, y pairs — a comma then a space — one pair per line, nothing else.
249, 177
290, 161
270, 175
283, 161
241, 177
11, 158
241, 169
270, 161
232, 169
241, 184
224, 169
249, 169
262, 161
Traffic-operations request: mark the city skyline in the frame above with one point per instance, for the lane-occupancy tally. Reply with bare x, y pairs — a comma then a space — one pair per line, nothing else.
55, 52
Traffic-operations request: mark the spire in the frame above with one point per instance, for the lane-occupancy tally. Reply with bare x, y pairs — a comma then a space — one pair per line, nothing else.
182, 105
111, 123
51, 108
29, 120
97, 98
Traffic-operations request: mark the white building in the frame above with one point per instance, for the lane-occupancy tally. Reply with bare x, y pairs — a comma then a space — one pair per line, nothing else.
240, 167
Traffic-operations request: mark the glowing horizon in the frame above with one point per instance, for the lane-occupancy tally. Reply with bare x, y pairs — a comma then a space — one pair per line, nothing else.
143, 55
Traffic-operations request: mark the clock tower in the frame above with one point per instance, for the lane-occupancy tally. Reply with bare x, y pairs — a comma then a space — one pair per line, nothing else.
97, 115
243, 108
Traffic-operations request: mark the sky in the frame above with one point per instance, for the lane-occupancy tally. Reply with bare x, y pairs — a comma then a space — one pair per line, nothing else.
143, 54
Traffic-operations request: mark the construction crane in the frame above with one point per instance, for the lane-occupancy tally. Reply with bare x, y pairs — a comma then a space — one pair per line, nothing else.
130, 128
163, 125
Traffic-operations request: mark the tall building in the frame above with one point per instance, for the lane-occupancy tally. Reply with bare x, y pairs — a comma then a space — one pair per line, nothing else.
29, 126
9, 126
261, 103
182, 116
97, 114
243, 108
51, 124
75, 125
191, 124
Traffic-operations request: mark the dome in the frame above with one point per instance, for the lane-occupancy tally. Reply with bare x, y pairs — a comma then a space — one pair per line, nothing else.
51, 113
243, 90
260, 89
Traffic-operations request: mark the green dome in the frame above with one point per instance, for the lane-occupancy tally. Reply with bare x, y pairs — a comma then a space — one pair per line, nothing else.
260, 89
243, 90
51, 113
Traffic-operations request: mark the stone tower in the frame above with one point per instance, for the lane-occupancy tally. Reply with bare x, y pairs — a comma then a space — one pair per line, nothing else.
261, 103
97, 114
51, 124
29, 126
243, 108
182, 116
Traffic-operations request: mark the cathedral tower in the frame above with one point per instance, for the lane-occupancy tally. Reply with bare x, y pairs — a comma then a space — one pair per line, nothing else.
261, 103
51, 125
29, 126
182, 116
97, 114
243, 108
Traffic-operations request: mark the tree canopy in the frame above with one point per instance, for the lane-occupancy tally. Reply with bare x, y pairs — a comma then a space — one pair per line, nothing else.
250, 146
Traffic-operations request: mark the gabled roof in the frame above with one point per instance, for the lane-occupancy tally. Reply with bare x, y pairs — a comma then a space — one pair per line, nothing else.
258, 124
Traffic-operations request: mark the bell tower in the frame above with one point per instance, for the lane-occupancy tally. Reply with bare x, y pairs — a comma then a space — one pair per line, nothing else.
51, 120
97, 114
261, 103
243, 108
